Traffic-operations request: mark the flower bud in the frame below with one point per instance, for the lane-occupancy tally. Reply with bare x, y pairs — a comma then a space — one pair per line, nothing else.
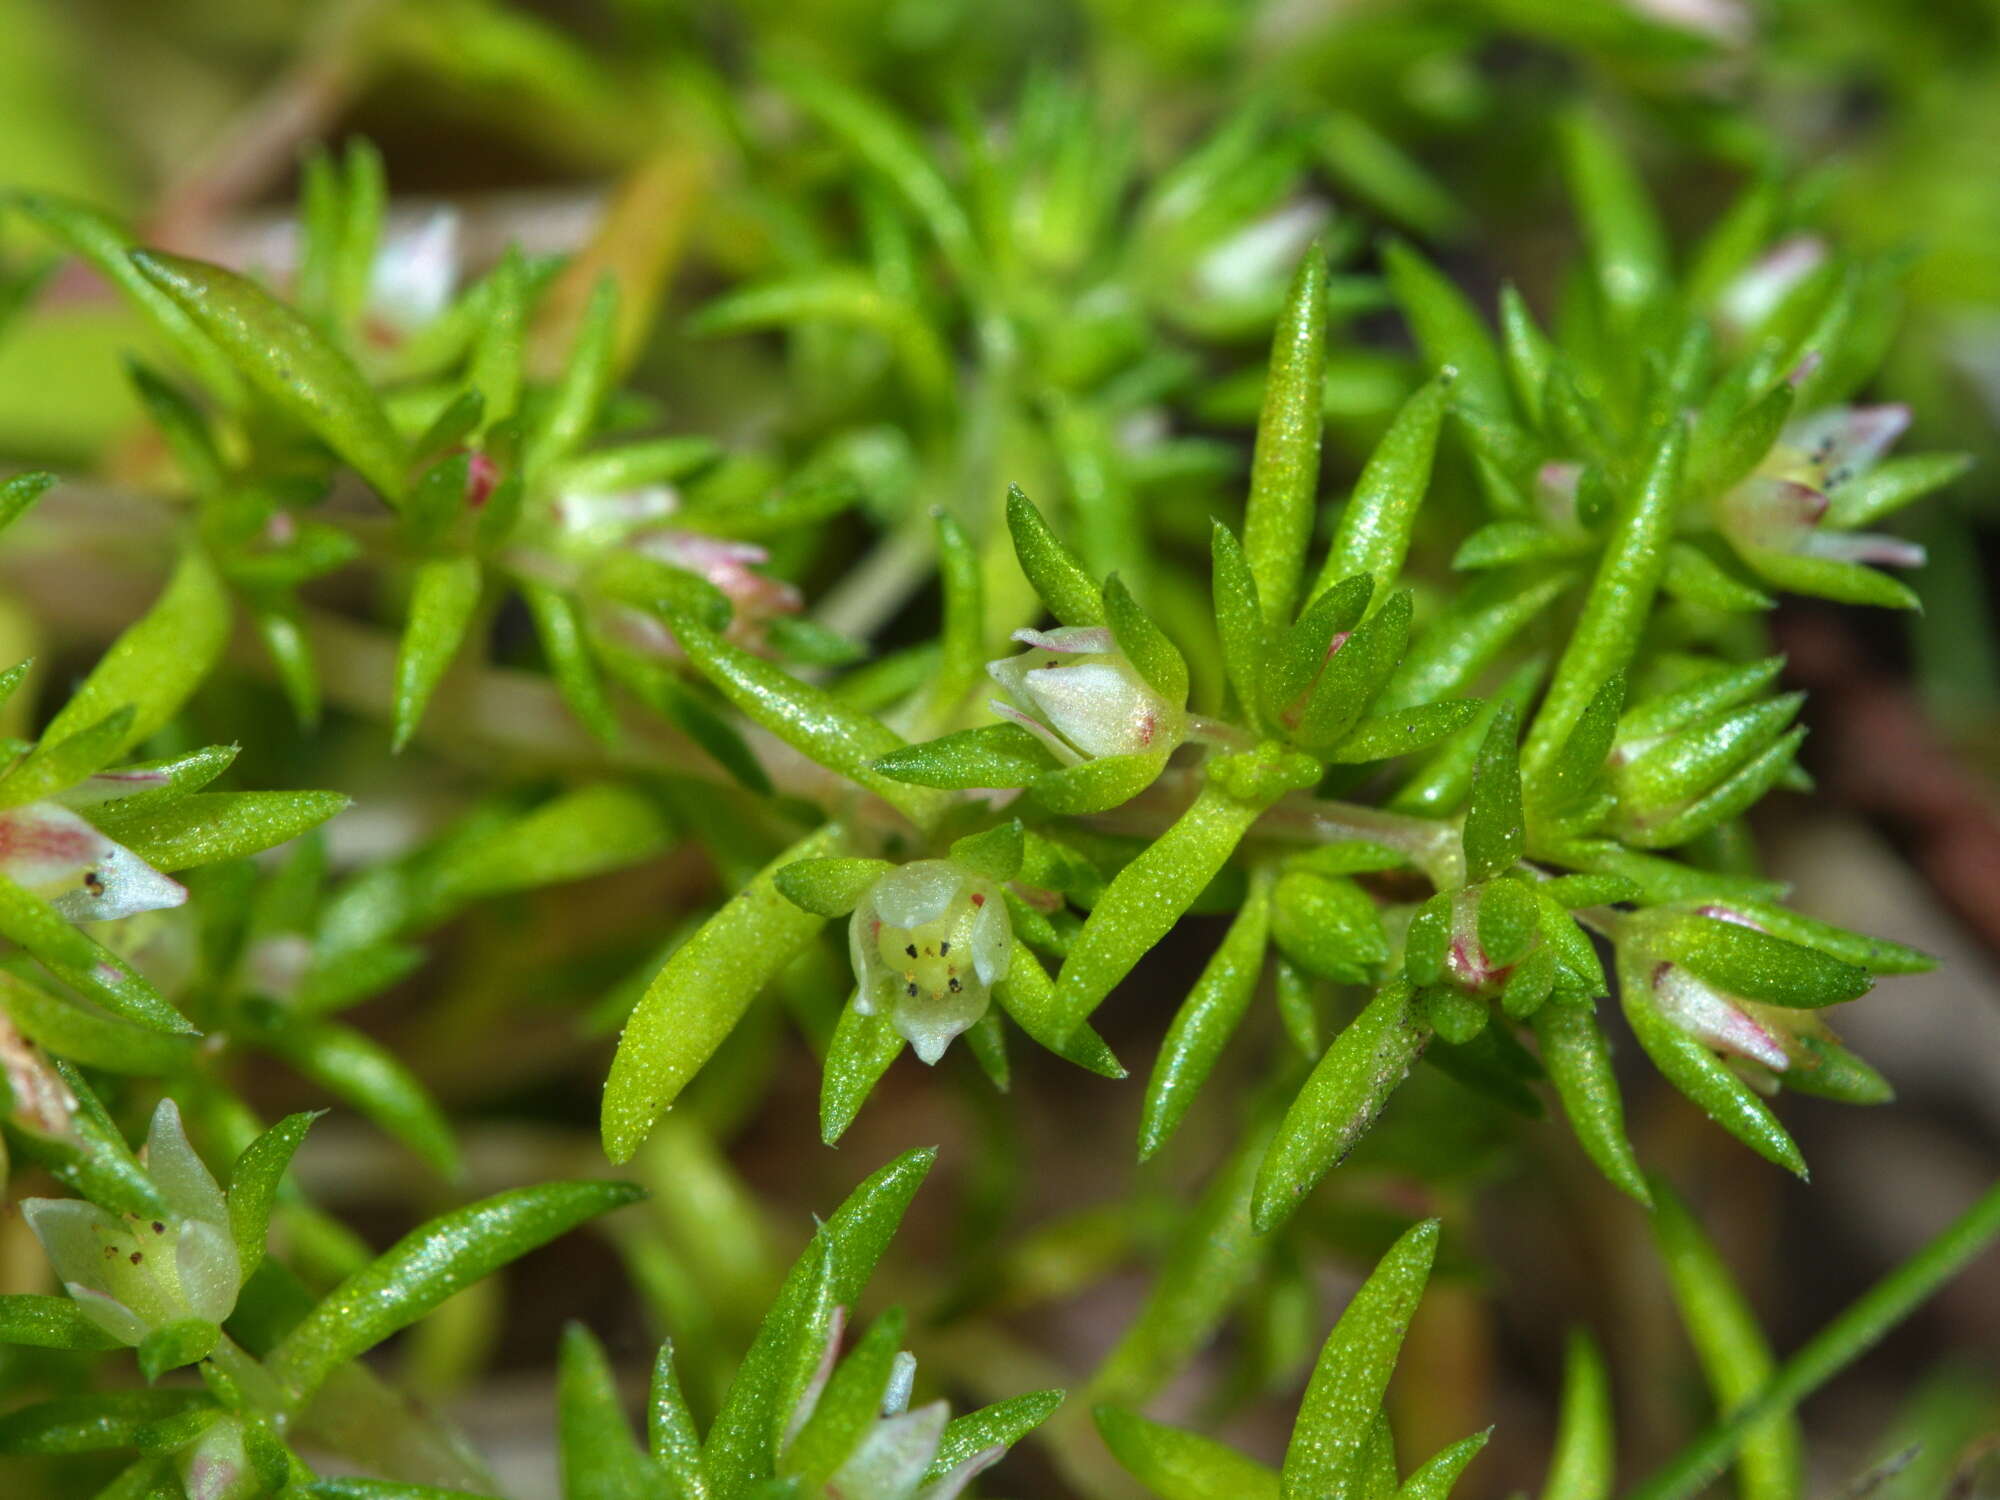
1078, 693
414, 275
132, 1276
1714, 1018
928, 942
1757, 291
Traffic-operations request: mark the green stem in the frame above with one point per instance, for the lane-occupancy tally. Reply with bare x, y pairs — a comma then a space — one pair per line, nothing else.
256, 1382
1831, 1350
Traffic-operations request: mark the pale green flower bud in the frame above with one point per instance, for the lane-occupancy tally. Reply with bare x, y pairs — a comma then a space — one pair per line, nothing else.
1079, 694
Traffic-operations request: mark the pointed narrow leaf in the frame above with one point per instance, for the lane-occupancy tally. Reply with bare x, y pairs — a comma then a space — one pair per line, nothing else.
429, 1264
1382, 736
1434, 1478
670, 1429
1000, 1425
1340, 1100
253, 1185
287, 359
600, 1459
357, 1068
1494, 825
207, 827
832, 1273
1585, 1463
1620, 600
1029, 997
108, 248
159, 661
1239, 619
1702, 1076
1147, 897
1734, 1355
1448, 328
1176, 1464
443, 598
829, 887
573, 407
808, 718
1351, 1377
74, 957
1578, 1063
1628, 249
35, 1321
695, 1001
1056, 573
1207, 1019
1284, 469
1374, 532
994, 755
862, 1049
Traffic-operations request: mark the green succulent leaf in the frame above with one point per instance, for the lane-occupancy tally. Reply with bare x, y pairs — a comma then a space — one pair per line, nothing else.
1179, 1465
1340, 1100
426, 1266
288, 360
1344, 1397
1206, 1020
1284, 470
695, 1001
1584, 1465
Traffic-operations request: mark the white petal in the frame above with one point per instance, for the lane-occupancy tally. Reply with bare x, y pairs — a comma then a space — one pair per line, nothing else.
1071, 640
73, 1235
891, 1460
952, 1484
902, 1376
1844, 441
210, 1274
992, 941
120, 884
1710, 1017
913, 894
1101, 707
182, 1178
415, 271
929, 1023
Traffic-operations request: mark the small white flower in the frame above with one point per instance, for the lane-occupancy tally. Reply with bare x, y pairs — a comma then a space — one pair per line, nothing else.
928, 941
89, 878
132, 1275
898, 1449
1079, 694
1781, 507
